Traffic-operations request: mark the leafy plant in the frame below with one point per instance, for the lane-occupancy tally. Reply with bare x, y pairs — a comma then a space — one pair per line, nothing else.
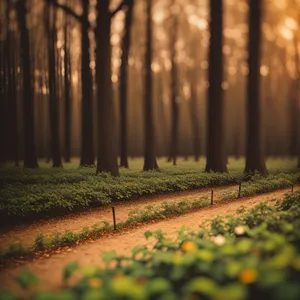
253, 256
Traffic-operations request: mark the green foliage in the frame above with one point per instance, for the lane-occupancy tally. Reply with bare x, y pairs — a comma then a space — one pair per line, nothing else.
158, 212
40, 193
253, 256
8, 295
70, 269
14, 251
39, 242
165, 210
257, 185
26, 279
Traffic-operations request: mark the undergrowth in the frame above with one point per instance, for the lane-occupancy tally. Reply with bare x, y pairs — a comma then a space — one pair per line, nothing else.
255, 255
35, 194
149, 213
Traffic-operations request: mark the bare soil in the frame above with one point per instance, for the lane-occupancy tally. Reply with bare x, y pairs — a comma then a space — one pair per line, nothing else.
25, 234
49, 268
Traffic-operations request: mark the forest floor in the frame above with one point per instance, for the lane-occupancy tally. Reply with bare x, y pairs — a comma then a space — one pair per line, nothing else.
49, 267
25, 234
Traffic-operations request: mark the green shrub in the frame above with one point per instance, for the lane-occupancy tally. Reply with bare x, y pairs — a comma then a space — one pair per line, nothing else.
32, 194
253, 256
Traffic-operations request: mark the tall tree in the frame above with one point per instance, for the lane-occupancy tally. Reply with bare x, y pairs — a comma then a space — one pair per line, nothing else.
149, 138
30, 159
123, 85
297, 90
194, 117
51, 15
67, 94
174, 93
87, 125
254, 152
293, 107
87, 155
107, 160
12, 142
215, 152
3, 89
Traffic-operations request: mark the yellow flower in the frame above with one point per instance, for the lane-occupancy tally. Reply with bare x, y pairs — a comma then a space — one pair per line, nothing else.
95, 282
188, 246
248, 276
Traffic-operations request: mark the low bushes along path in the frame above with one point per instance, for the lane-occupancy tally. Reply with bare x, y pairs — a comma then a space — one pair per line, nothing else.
26, 234
49, 268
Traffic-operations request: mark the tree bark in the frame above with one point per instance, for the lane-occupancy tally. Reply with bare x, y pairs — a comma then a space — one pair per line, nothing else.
297, 92
195, 122
2, 99
149, 139
123, 86
87, 128
30, 159
293, 107
53, 97
254, 152
107, 160
68, 104
173, 90
216, 161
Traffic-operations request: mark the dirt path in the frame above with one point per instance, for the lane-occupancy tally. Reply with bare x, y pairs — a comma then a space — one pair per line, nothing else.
26, 234
49, 269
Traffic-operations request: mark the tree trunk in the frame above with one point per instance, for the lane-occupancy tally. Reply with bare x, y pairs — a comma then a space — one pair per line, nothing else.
195, 122
30, 160
297, 91
254, 152
67, 85
87, 128
4, 89
149, 139
173, 90
123, 86
2, 98
216, 161
107, 160
293, 107
53, 99
164, 136
12, 104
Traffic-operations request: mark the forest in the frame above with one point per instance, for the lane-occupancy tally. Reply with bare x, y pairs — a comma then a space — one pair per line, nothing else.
163, 135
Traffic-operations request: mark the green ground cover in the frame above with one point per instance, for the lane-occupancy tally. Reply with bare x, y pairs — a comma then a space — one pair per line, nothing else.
255, 255
33, 194
255, 185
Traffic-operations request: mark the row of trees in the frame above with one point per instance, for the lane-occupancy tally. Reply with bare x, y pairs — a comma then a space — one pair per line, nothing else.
106, 120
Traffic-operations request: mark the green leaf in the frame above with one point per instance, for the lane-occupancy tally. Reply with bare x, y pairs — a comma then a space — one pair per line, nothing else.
234, 291
110, 256
244, 245
26, 279
94, 294
139, 249
182, 232
126, 288
63, 295
8, 295
148, 234
202, 285
69, 269
159, 285
88, 271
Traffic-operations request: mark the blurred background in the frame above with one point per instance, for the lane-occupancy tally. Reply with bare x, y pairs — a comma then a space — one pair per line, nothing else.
62, 39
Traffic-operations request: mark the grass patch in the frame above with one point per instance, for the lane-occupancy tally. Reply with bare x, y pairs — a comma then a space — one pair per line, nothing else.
35, 194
